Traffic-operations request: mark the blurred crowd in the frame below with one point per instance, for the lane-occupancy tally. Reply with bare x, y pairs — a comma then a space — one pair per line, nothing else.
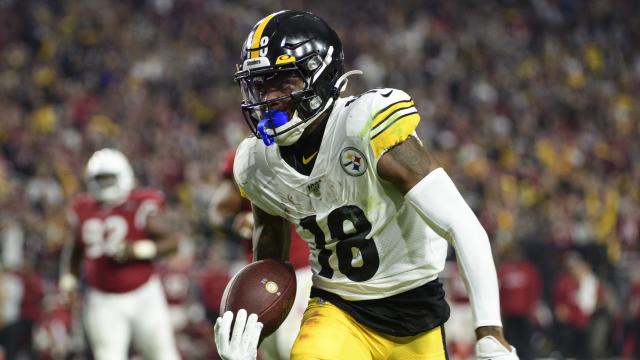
532, 106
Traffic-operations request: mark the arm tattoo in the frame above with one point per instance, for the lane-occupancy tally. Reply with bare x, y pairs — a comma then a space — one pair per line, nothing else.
412, 156
405, 164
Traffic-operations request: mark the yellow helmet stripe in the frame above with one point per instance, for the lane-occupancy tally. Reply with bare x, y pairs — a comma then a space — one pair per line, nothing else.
255, 42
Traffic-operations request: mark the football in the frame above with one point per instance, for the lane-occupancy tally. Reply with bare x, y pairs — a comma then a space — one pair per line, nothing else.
266, 288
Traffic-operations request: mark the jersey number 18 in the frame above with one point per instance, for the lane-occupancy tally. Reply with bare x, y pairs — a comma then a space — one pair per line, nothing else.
347, 243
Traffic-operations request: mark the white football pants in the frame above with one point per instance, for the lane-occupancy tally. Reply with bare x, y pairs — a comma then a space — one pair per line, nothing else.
140, 316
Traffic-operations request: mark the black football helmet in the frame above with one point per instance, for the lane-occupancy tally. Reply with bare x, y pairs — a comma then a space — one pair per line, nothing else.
284, 44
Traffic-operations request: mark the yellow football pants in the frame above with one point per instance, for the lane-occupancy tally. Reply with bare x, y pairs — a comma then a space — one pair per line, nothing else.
329, 333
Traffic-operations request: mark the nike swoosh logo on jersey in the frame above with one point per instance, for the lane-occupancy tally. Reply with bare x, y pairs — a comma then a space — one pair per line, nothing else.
306, 160
387, 94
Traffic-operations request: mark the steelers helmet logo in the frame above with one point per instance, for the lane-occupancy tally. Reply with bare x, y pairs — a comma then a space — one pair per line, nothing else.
271, 287
353, 161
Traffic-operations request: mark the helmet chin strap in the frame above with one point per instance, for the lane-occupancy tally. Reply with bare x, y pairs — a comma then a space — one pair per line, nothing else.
294, 128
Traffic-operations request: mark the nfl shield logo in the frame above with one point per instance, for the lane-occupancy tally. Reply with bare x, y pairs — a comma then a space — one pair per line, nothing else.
353, 161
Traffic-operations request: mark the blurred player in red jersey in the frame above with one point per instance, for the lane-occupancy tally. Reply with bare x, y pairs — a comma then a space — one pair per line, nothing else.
521, 287
460, 337
119, 231
577, 295
231, 212
54, 333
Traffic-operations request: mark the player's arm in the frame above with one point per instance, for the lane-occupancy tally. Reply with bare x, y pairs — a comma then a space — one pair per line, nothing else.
164, 232
271, 236
226, 203
75, 258
163, 238
71, 259
226, 211
431, 192
70, 267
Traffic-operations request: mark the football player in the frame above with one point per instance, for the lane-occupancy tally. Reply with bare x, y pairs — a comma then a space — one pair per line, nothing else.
376, 211
229, 207
119, 231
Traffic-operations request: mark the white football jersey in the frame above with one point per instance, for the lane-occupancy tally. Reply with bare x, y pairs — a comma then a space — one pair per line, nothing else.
366, 242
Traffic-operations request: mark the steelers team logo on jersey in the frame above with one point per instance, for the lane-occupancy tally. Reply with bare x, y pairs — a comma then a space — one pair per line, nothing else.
353, 161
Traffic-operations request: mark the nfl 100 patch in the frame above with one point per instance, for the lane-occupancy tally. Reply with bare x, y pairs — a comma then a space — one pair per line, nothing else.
353, 161
314, 188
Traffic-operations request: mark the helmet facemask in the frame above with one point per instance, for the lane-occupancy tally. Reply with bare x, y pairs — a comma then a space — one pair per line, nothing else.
304, 105
105, 188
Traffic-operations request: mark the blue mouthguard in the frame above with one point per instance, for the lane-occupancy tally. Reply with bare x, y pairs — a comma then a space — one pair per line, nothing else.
272, 120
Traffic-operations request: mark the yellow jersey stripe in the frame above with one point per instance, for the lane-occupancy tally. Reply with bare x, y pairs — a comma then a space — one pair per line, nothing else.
255, 42
395, 132
382, 125
389, 110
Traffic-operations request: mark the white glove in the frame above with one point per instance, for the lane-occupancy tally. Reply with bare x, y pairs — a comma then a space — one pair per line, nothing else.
243, 343
143, 249
67, 283
489, 348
